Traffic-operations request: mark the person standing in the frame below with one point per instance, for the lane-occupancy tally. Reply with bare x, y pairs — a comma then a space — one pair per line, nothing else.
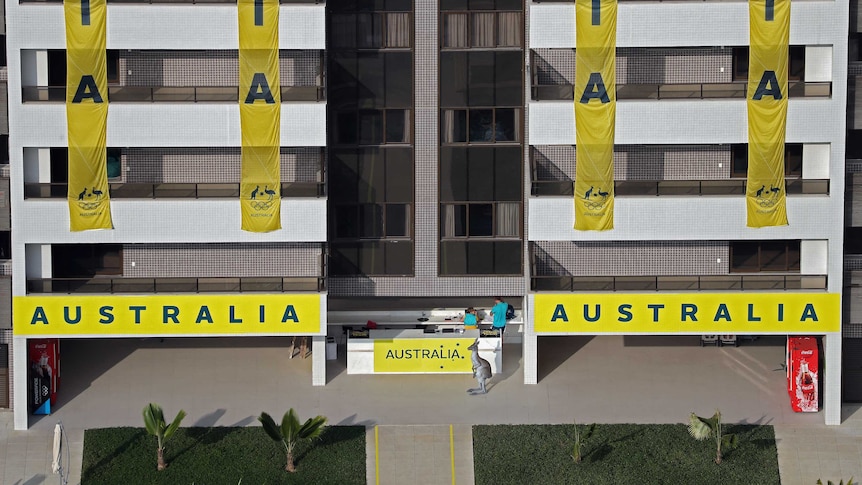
499, 314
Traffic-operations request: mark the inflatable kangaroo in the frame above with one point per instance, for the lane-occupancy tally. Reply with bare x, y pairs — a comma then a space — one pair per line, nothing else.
481, 369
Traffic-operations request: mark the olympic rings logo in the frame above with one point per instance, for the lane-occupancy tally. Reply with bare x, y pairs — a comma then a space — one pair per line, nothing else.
261, 206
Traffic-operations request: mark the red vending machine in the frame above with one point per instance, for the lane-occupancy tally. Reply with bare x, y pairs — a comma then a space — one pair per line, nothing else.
44, 356
803, 374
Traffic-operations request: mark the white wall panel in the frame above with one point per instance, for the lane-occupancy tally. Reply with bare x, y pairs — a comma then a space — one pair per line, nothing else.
166, 26
814, 256
679, 24
818, 63
815, 160
176, 221
172, 124
683, 218
684, 121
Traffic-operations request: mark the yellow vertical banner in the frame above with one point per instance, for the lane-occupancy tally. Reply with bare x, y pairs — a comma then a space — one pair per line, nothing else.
87, 114
595, 113
259, 115
769, 24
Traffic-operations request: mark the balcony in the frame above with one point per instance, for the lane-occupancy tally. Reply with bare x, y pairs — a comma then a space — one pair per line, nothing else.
738, 89
753, 282
625, 188
109, 285
181, 2
172, 191
173, 94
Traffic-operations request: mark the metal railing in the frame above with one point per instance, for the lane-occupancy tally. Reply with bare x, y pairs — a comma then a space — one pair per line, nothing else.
624, 188
106, 285
173, 94
733, 90
173, 191
678, 283
203, 2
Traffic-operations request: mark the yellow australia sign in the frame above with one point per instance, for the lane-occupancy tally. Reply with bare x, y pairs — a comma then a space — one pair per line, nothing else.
423, 356
687, 313
166, 315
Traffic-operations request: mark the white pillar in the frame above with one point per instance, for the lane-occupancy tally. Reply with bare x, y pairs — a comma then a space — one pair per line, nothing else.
21, 411
530, 345
318, 360
832, 378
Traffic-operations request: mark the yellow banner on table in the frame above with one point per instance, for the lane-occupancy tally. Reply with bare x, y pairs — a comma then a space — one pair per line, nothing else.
167, 315
595, 113
769, 24
423, 356
259, 115
87, 115
687, 313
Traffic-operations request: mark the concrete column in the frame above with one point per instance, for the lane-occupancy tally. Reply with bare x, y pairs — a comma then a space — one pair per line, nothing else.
531, 361
831, 378
530, 346
318, 360
20, 409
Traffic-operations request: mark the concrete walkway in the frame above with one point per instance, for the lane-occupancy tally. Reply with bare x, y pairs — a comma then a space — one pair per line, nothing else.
419, 455
602, 379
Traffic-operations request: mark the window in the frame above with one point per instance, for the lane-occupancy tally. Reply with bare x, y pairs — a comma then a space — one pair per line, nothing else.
480, 258
371, 30
487, 174
372, 221
486, 30
113, 61
372, 193
795, 70
373, 127
764, 256
393, 258
371, 80
495, 219
481, 78
114, 163
60, 164
486, 125
792, 161
86, 260
481, 5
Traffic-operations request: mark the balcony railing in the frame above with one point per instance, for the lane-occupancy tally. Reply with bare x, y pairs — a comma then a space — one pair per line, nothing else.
173, 191
173, 94
679, 283
736, 90
625, 188
283, 2
175, 285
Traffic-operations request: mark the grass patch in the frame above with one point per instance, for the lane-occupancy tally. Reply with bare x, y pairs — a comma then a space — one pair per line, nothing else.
221, 455
621, 453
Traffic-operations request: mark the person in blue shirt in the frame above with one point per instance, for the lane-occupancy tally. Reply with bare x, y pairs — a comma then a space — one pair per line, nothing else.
499, 314
471, 321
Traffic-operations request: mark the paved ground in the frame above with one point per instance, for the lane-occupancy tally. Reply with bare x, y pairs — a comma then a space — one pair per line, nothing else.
227, 382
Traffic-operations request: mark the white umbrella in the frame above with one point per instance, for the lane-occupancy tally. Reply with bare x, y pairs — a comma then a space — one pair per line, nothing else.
58, 437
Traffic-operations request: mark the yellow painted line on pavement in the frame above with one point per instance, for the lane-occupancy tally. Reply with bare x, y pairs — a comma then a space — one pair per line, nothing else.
452, 452
376, 456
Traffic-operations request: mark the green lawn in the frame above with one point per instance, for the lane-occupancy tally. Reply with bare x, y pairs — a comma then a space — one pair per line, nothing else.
216, 456
624, 453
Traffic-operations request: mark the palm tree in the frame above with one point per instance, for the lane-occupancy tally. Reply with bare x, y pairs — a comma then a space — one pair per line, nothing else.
703, 428
290, 433
154, 421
